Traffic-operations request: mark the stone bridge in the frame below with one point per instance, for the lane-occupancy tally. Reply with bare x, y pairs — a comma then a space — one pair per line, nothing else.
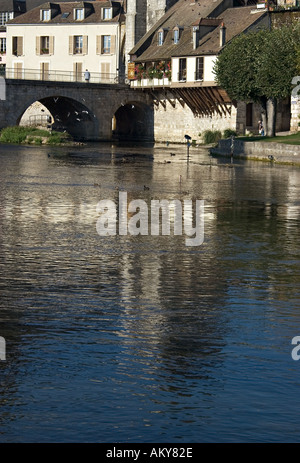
88, 111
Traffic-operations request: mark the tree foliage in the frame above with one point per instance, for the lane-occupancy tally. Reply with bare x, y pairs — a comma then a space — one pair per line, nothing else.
236, 70
279, 62
259, 66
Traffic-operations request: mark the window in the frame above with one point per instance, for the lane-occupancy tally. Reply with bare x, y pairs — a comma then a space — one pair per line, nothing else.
45, 45
182, 70
78, 44
64, 15
4, 17
79, 14
107, 13
199, 68
176, 36
105, 44
17, 46
160, 38
106, 47
46, 15
3, 45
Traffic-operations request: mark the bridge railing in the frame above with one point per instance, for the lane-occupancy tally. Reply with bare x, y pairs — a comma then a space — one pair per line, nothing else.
62, 76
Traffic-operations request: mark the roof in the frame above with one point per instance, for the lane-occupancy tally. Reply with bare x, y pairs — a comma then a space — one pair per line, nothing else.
183, 14
236, 21
60, 16
30, 4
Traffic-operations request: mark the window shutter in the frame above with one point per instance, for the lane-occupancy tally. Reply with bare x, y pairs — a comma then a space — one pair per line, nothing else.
77, 71
18, 67
20, 46
105, 70
113, 44
38, 45
71, 45
85, 45
44, 67
51, 45
102, 44
98, 45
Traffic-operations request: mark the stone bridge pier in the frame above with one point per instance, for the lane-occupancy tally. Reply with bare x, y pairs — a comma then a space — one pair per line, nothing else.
91, 112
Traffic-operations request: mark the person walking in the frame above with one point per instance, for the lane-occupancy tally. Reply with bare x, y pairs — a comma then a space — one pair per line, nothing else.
87, 76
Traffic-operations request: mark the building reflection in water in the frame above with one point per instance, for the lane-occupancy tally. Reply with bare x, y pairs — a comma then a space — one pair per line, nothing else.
164, 307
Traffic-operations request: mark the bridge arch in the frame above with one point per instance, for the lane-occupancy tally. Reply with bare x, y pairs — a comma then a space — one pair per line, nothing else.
69, 115
133, 120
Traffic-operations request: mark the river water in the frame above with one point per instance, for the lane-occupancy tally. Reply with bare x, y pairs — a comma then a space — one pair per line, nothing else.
142, 338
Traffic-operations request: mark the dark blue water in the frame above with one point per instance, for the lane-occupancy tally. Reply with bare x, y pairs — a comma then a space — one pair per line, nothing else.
141, 338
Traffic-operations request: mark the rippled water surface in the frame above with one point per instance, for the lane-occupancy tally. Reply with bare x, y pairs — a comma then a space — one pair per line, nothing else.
141, 338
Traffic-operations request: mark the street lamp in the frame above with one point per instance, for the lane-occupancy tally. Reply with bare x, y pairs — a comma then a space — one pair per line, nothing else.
188, 144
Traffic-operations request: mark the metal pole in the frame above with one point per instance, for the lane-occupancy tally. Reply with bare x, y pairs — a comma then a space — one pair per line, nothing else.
231, 147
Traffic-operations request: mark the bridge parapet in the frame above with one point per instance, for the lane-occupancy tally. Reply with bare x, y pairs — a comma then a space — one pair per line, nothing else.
53, 75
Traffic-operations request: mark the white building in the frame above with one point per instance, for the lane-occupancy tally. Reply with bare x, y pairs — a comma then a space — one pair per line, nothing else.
9, 9
61, 40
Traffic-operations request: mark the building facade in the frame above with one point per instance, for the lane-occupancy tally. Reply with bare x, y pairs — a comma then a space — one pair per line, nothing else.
62, 41
9, 9
175, 62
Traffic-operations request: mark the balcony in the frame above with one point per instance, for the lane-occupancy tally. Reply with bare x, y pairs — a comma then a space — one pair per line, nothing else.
151, 83
151, 75
62, 76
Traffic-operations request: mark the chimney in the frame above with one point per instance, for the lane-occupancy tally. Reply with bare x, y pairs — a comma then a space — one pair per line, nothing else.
196, 37
222, 35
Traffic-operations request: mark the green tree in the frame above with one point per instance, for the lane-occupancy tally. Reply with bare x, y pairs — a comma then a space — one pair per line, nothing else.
259, 66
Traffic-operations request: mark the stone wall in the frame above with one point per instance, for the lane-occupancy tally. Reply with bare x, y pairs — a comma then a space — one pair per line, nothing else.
248, 124
278, 18
36, 115
156, 9
263, 151
171, 124
3, 112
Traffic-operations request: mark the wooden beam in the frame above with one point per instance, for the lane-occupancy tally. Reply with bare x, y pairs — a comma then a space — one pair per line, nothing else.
211, 99
172, 103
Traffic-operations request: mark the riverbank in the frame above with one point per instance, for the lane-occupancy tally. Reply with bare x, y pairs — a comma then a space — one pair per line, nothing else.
283, 150
33, 136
